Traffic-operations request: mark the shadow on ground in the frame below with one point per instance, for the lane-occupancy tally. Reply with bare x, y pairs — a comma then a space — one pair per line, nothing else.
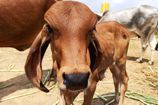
135, 58
104, 99
17, 83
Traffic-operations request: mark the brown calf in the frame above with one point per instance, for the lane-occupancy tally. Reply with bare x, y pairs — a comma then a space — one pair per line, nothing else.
79, 55
112, 41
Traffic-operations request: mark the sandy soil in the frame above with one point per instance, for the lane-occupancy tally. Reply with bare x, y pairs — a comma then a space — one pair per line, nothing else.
19, 91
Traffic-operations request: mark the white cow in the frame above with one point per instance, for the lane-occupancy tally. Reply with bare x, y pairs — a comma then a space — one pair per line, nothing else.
142, 21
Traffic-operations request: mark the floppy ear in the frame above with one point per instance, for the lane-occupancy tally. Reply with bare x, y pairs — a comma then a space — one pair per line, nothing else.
33, 65
95, 52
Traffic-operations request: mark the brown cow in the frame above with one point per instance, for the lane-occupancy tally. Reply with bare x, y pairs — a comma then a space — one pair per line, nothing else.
73, 48
112, 41
21, 21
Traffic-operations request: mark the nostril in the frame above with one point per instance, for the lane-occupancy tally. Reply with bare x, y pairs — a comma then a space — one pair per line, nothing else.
64, 75
65, 80
88, 74
76, 80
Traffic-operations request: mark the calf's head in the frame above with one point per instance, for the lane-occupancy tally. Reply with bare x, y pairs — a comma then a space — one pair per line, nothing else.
68, 29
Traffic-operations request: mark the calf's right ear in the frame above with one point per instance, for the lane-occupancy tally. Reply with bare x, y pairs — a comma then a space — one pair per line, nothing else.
33, 65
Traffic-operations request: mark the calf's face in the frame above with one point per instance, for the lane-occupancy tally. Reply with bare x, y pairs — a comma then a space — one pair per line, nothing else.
69, 48
68, 30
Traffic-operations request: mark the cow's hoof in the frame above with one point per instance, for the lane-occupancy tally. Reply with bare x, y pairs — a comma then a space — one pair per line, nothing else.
151, 62
139, 60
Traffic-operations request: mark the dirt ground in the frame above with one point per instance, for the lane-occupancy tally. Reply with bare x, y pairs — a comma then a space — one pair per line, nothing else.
15, 89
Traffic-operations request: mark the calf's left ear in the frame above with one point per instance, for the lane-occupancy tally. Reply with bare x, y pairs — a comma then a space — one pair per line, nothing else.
33, 65
95, 51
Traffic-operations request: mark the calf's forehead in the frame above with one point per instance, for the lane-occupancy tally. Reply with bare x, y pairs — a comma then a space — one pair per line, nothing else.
70, 16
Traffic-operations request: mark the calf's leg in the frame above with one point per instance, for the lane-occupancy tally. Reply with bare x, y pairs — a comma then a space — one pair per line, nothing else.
67, 97
115, 74
124, 82
88, 94
120, 77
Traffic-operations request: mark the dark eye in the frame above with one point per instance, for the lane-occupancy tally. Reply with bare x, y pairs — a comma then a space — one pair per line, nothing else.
90, 32
93, 29
49, 29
